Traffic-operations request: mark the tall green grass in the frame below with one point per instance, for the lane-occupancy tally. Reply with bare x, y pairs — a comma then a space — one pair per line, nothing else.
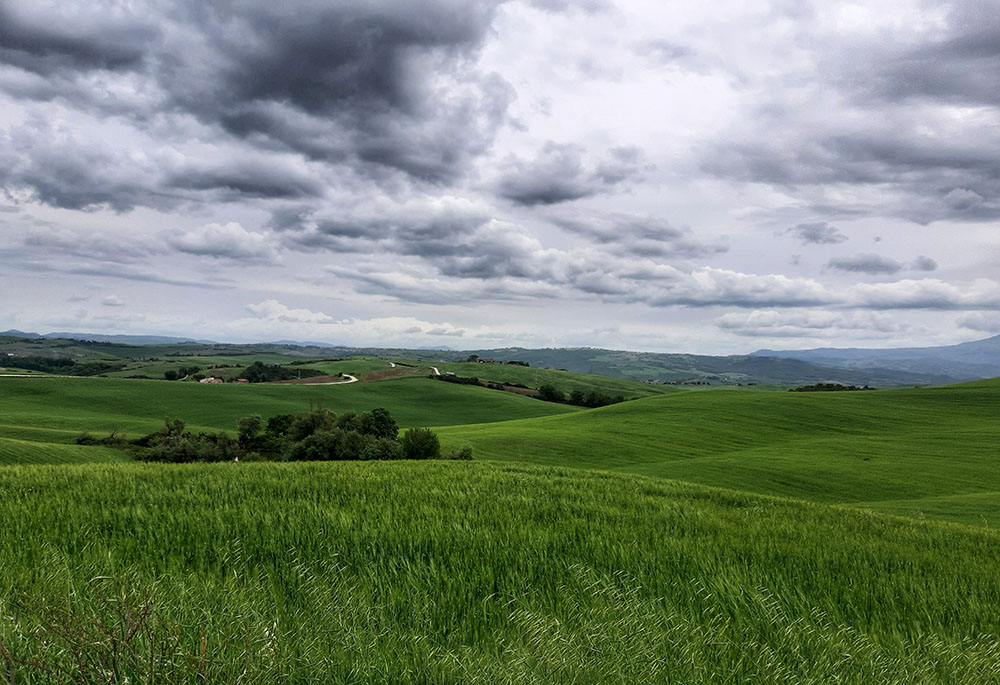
470, 572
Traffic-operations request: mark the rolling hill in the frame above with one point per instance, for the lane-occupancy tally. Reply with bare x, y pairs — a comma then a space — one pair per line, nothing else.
891, 450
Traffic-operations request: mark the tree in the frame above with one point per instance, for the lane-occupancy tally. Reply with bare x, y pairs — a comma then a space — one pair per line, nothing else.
247, 429
349, 421
311, 422
319, 446
420, 443
380, 424
550, 393
170, 375
382, 449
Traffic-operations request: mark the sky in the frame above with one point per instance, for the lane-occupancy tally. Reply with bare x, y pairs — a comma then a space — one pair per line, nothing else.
631, 174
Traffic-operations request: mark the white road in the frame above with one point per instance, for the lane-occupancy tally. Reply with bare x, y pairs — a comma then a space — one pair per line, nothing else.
435, 370
392, 365
350, 379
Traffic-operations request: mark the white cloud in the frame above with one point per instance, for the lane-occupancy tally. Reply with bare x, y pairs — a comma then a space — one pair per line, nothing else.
229, 240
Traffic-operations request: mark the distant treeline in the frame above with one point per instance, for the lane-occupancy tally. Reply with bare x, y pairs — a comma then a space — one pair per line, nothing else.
579, 398
63, 366
828, 387
259, 372
546, 393
315, 435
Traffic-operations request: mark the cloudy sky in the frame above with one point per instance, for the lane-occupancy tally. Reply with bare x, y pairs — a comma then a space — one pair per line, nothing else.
634, 174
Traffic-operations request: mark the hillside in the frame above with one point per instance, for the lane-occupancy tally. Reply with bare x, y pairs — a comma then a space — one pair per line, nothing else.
57, 410
965, 361
449, 572
641, 367
890, 450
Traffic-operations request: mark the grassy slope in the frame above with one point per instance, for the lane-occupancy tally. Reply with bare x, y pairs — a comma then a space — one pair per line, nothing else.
29, 452
58, 409
562, 380
893, 447
471, 572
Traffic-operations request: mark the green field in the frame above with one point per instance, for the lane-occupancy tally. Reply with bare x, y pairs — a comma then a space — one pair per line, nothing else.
554, 569
888, 450
59, 409
562, 380
448, 572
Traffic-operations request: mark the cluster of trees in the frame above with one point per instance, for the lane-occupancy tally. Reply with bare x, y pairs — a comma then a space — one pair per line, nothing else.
828, 387
63, 366
180, 372
259, 372
315, 435
579, 398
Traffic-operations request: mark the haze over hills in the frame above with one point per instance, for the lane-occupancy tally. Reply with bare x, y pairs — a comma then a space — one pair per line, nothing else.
780, 368
965, 361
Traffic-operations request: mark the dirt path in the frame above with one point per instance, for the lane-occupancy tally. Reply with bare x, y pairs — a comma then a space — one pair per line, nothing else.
350, 379
435, 370
392, 365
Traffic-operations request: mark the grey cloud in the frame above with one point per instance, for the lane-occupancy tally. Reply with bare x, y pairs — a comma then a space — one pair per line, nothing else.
367, 88
245, 178
225, 241
638, 235
95, 36
882, 137
64, 171
560, 174
866, 264
84, 245
820, 233
588, 6
958, 62
923, 263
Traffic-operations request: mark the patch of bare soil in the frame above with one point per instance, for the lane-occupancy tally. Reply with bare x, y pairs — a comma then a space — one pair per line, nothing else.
386, 374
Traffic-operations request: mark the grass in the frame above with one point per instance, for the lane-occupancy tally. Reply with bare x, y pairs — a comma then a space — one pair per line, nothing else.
472, 572
33, 452
903, 451
565, 381
59, 409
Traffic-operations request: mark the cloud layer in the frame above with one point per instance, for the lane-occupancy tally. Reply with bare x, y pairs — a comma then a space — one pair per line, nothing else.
792, 170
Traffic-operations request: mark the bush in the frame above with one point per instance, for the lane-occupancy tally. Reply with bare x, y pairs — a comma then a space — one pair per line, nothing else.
382, 449
463, 454
420, 443
549, 393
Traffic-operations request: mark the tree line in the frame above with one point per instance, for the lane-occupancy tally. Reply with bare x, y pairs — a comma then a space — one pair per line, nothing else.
315, 435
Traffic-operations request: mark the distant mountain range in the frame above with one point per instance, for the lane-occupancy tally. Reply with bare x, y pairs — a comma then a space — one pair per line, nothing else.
98, 337
965, 361
878, 368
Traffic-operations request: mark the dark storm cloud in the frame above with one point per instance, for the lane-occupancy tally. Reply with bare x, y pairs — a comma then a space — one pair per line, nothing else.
560, 173
247, 179
96, 39
866, 264
389, 83
367, 88
820, 233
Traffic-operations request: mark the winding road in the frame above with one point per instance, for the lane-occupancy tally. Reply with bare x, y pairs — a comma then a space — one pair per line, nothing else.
349, 377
